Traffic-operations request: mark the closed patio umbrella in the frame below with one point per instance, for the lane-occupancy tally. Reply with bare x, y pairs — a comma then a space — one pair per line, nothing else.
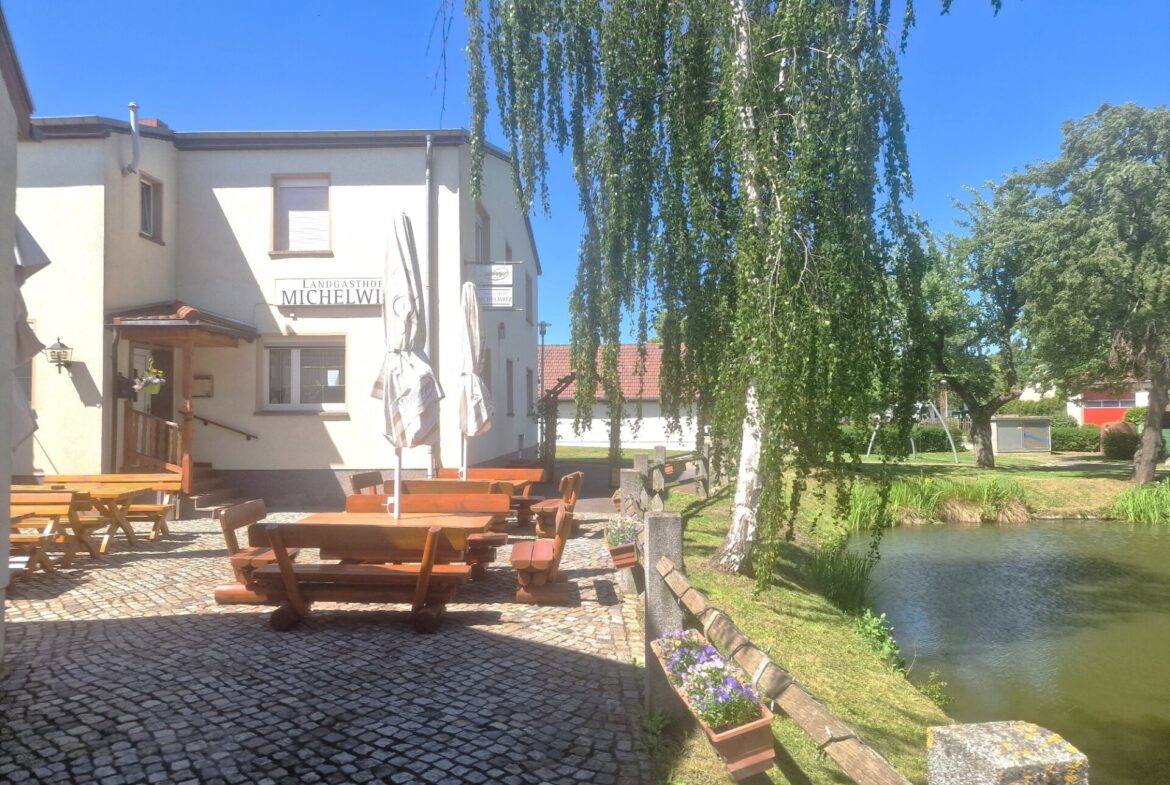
475, 406
407, 385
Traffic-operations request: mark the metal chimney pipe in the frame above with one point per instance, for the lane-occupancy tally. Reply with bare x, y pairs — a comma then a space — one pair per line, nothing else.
135, 143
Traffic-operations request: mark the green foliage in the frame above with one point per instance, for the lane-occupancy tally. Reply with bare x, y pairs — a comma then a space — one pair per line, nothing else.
1136, 415
1063, 421
892, 442
974, 303
1084, 438
841, 575
935, 689
878, 634
1119, 445
621, 530
1045, 407
921, 498
1097, 288
1148, 503
780, 257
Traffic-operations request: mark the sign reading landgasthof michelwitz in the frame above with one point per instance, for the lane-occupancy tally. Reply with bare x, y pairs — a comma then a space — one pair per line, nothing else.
328, 291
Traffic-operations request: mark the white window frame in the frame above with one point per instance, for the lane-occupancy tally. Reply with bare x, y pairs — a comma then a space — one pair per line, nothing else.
483, 234
287, 181
155, 230
301, 342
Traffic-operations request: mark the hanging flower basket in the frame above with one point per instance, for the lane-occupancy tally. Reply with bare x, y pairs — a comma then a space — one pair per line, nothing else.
152, 389
151, 380
713, 688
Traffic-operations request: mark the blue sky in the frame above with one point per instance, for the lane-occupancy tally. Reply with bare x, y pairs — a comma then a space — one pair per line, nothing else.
984, 94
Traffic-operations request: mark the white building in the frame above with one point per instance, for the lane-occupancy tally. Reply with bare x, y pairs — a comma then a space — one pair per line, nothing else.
639, 382
247, 267
15, 108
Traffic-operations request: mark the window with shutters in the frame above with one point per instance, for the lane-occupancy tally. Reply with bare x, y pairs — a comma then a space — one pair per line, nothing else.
301, 225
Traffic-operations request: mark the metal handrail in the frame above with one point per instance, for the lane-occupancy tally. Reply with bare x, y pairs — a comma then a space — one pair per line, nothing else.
208, 421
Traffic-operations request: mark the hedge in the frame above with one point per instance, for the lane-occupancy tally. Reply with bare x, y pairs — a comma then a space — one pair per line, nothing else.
1119, 445
1040, 408
1136, 415
1085, 438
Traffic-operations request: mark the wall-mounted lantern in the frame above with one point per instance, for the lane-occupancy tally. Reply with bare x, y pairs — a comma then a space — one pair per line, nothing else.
60, 355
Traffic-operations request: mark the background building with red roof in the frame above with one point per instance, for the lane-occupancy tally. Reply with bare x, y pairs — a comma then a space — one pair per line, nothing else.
640, 389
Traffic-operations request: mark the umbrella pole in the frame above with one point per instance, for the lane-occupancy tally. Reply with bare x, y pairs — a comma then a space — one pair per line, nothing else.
397, 483
464, 456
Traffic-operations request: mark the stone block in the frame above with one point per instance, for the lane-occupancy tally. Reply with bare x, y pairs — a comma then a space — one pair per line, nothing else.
1003, 753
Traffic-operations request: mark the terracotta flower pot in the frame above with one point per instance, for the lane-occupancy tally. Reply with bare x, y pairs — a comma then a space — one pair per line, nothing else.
745, 750
624, 555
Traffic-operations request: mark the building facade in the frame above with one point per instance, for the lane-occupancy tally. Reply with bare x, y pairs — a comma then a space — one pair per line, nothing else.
640, 380
247, 268
15, 107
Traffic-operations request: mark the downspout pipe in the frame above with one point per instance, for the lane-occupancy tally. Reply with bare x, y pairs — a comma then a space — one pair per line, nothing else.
434, 450
135, 142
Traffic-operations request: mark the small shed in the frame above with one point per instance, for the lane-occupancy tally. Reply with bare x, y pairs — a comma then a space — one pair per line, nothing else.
1018, 433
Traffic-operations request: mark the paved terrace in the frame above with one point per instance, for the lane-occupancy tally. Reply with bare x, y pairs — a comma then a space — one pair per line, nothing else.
123, 670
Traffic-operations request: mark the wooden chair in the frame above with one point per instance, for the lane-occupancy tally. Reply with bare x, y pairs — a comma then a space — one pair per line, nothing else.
244, 561
428, 584
546, 511
367, 481
537, 563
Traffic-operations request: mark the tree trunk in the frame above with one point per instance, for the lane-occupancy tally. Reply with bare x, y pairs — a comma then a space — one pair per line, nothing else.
981, 437
615, 444
1145, 463
736, 553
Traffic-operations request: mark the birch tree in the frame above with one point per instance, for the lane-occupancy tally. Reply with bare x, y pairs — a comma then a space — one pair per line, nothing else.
740, 167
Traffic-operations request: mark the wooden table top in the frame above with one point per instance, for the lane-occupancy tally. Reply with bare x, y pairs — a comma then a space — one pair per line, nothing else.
470, 522
95, 490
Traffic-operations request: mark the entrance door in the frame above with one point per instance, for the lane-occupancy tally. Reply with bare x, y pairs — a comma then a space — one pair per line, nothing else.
161, 404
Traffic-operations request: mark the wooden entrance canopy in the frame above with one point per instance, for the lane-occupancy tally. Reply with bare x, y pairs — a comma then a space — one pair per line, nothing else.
183, 327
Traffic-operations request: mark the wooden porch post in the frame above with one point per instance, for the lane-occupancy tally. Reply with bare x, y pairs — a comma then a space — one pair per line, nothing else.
188, 423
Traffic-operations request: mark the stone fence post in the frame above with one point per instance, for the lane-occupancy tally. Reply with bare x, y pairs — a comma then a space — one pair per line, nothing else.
632, 490
658, 479
1002, 753
664, 537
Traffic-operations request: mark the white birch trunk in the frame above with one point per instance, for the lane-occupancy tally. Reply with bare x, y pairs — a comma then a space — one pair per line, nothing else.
735, 554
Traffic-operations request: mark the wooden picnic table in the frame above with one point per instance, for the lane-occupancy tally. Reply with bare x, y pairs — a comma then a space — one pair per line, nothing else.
111, 500
523, 507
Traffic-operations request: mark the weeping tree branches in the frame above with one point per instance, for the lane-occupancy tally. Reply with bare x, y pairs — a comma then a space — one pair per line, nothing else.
740, 167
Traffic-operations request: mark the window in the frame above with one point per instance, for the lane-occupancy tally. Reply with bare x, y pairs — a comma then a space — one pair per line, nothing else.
301, 223
306, 378
529, 387
529, 300
508, 382
483, 235
1111, 403
150, 209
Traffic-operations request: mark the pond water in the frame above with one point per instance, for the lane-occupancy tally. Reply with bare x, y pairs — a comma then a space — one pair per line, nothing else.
1062, 623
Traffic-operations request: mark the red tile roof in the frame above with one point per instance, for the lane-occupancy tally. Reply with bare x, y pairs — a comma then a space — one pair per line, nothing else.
639, 383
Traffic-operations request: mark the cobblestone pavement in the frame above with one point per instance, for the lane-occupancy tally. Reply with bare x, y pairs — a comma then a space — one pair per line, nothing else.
123, 670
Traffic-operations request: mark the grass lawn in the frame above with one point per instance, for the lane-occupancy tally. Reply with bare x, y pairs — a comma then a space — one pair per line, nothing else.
1074, 484
819, 644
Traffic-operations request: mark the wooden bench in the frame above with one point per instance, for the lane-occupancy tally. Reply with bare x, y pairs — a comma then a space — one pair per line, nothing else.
546, 511
244, 561
481, 547
60, 508
373, 483
428, 584
523, 478
166, 484
537, 563
35, 528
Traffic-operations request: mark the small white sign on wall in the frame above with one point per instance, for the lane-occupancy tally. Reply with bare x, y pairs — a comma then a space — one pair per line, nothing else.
487, 275
494, 296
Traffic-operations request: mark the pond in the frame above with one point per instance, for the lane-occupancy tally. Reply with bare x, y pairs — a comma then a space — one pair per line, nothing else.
1062, 623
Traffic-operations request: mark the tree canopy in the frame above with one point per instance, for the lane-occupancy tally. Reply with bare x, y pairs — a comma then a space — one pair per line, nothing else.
1099, 291
741, 168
